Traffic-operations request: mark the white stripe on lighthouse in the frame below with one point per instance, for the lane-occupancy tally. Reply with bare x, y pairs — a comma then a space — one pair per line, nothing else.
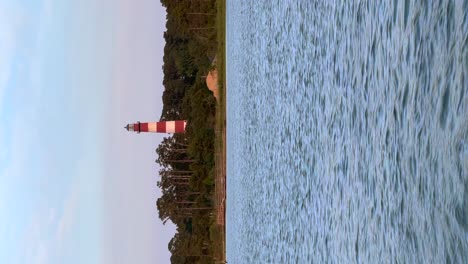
170, 126
152, 127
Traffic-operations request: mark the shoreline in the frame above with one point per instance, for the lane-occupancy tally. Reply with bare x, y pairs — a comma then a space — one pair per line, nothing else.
220, 134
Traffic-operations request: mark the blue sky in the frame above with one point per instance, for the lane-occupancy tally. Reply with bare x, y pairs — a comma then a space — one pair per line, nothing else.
74, 186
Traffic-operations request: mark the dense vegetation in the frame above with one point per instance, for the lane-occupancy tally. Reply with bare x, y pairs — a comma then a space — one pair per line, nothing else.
187, 161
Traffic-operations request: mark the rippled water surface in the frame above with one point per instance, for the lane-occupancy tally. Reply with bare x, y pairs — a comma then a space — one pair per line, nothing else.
347, 131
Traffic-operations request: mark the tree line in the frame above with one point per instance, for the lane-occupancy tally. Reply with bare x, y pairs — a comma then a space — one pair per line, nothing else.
187, 160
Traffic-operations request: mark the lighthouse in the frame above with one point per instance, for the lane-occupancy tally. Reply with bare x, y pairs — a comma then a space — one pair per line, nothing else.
177, 126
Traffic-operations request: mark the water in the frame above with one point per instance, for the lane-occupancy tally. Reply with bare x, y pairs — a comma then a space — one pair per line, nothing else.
347, 131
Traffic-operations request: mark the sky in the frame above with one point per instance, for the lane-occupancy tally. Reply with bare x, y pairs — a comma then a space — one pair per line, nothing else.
75, 187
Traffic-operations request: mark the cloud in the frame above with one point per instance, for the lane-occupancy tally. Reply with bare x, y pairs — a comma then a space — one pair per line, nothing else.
46, 233
37, 58
42, 254
21, 33
19, 137
11, 21
52, 215
47, 8
35, 244
66, 220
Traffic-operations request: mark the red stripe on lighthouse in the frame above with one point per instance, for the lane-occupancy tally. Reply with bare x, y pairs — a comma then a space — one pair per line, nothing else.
144, 127
161, 127
179, 126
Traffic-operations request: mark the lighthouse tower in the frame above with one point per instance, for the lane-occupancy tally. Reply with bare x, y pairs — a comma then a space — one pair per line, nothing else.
177, 126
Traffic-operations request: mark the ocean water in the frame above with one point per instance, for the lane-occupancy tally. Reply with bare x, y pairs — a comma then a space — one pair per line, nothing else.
347, 131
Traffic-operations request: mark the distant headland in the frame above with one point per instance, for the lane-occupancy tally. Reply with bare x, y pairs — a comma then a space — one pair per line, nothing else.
193, 165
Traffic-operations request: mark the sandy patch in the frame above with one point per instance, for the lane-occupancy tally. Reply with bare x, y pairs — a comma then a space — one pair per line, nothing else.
212, 83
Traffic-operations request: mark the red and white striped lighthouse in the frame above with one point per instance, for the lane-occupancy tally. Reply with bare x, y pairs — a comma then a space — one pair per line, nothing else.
177, 126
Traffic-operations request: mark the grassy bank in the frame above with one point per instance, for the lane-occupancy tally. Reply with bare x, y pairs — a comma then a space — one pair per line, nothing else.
221, 55
218, 231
